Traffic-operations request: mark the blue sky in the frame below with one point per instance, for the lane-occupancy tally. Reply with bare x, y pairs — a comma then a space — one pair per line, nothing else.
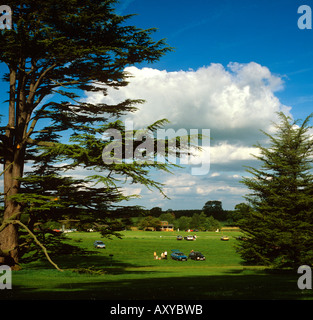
234, 64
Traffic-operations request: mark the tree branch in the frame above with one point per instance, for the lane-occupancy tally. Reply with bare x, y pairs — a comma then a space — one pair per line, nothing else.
34, 86
11, 221
40, 143
6, 168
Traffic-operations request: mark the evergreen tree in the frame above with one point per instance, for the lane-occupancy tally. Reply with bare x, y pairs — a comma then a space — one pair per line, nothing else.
279, 225
55, 51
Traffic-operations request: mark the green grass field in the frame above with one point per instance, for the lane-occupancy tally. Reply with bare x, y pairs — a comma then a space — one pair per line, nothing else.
133, 274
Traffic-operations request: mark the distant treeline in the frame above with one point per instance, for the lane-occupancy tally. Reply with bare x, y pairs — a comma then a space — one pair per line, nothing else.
212, 208
177, 213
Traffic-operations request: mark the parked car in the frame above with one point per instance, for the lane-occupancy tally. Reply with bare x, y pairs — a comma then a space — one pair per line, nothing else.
179, 238
69, 230
58, 230
224, 238
99, 244
178, 255
190, 238
196, 255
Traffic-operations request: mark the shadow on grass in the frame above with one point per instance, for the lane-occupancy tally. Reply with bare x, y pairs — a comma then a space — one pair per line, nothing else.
246, 285
92, 260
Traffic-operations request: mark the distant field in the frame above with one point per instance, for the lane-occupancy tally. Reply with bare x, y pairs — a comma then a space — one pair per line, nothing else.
132, 273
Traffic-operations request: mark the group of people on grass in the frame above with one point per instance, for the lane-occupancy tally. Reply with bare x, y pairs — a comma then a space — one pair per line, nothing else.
163, 255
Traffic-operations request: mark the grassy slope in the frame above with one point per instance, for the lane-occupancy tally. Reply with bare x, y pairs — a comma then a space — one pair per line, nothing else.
134, 274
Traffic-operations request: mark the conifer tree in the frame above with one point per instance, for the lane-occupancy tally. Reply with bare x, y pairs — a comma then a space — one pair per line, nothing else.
55, 50
279, 225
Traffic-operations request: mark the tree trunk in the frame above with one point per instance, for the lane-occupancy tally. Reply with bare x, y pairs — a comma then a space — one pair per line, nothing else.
9, 235
14, 153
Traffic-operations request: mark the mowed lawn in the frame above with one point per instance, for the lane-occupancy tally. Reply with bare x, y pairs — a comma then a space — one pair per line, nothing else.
133, 274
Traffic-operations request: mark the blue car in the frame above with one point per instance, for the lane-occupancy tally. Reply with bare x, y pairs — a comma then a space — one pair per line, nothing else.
178, 255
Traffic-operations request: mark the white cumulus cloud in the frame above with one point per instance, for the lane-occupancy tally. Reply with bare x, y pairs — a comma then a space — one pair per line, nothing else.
234, 102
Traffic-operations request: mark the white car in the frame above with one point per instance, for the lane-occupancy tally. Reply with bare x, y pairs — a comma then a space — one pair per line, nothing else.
99, 244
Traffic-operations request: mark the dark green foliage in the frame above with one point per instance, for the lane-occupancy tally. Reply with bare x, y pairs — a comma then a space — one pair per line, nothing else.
234, 216
149, 222
156, 211
169, 217
186, 213
214, 209
279, 226
56, 52
198, 221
